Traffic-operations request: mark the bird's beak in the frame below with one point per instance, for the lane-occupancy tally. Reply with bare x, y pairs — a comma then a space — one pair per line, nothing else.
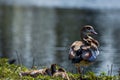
94, 32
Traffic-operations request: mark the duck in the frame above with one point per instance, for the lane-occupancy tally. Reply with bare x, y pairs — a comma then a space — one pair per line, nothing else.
11, 61
85, 51
60, 72
35, 73
52, 71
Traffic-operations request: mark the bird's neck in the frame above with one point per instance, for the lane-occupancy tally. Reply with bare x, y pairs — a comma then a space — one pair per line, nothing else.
53, 69
84, 36
86, 39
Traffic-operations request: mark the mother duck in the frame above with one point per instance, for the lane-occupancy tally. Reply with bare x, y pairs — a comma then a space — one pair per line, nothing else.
84, 52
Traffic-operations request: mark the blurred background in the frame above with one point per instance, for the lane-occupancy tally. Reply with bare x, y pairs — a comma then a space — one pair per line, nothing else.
41, 31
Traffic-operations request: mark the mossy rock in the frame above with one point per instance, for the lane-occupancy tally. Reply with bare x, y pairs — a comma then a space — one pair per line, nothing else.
11, 72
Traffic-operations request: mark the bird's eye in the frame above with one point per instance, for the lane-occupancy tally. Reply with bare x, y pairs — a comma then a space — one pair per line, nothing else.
88, 28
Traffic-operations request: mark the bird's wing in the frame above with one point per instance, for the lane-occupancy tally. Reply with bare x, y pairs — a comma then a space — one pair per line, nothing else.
73, 48
76, 45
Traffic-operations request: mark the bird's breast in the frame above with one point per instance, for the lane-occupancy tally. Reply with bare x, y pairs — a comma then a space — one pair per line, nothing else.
90, 55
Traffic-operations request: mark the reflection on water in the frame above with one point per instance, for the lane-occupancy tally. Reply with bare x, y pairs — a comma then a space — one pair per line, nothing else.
45, 34
91, 4
110, 22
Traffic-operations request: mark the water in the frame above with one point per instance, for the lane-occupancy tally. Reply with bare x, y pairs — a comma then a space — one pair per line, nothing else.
80, 4
43, 35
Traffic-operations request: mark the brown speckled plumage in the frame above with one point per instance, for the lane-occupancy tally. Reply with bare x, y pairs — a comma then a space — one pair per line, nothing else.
86, 43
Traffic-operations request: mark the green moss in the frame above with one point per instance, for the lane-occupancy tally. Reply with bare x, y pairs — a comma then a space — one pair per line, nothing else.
11, 72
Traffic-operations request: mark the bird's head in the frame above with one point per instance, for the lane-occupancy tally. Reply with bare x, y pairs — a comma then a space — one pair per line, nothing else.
88, 30
53, 68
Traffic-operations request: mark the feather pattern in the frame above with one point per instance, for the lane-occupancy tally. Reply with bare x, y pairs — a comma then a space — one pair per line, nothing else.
84, 52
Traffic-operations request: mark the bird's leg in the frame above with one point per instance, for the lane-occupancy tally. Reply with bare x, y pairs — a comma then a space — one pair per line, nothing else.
79, 70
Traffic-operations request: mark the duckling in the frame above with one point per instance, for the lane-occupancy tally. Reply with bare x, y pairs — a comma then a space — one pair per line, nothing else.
84, 52
11, 61
35, 73
60, 72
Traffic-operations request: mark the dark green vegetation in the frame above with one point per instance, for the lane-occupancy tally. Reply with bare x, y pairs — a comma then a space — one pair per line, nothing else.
11, 72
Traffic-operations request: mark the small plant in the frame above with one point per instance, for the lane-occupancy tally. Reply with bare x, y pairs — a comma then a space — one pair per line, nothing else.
11, 72
119, 72
110, 69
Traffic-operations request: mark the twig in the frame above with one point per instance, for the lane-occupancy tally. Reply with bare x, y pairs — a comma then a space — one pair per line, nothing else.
18, 57
111, 69
119, 72
108, 70
33, 62
21, 59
